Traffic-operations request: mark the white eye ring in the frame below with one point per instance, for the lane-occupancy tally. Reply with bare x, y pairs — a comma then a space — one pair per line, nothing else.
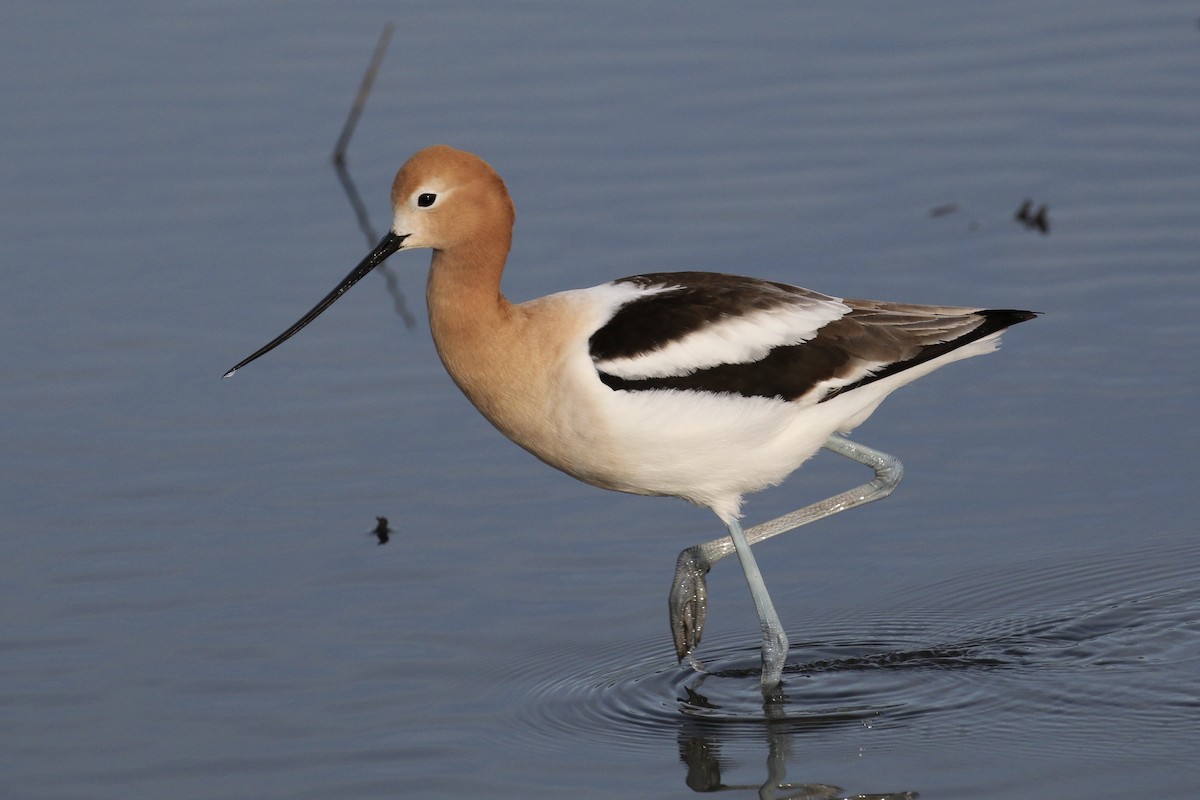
426, 199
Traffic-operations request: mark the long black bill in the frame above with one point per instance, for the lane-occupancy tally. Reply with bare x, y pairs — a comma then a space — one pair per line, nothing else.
387, 245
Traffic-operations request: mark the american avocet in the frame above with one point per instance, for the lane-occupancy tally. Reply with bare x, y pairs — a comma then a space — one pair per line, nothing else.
695, 385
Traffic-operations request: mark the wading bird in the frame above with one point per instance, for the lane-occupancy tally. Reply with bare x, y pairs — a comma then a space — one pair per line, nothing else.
696, 385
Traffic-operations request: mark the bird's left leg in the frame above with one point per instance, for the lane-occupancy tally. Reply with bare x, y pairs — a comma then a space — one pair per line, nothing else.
774, 640
689, 594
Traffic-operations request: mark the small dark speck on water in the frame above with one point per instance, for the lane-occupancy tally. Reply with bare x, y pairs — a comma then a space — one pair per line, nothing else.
382, 531
1036, 220
943, 210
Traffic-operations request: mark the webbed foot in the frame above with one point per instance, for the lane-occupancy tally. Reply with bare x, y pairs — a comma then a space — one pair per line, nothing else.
688, 601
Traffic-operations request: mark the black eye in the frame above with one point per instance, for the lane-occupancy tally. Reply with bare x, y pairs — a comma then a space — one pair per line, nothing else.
426, 200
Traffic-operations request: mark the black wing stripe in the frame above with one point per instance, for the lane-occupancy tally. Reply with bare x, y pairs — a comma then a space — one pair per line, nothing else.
691, 301
785, 372
898, 337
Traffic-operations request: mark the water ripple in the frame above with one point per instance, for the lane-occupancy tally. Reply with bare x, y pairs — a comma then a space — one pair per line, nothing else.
1126, 655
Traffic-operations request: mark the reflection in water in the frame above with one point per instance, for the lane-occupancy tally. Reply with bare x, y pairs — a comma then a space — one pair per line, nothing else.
398, 301
928, 679
700, 751
700, 745
339, 164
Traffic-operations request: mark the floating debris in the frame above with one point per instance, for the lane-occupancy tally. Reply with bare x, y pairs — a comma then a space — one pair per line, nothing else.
1036, 220
399, 302
382, 530
943, 210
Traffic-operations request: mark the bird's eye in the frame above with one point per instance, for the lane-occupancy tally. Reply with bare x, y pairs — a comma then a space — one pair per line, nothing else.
426, 200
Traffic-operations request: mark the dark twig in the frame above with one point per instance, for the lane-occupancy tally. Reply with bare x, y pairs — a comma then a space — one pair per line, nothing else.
343, 174
339, 150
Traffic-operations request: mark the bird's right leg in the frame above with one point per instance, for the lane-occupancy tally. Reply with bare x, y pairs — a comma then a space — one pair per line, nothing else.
688, 600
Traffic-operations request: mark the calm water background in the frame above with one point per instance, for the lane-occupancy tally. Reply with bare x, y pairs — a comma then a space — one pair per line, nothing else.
191, 606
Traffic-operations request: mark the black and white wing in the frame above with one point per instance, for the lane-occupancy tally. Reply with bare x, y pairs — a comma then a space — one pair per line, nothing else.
726, 334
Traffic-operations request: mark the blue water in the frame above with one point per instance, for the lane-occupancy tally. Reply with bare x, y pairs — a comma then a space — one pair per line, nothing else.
192, 603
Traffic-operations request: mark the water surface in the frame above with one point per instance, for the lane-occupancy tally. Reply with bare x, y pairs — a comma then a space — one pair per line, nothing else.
193, 604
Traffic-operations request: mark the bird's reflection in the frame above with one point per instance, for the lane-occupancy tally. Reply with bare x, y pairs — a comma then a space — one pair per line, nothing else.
700, 750
700, 743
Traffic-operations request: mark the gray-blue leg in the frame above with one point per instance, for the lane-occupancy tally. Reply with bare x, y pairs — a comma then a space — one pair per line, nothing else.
774, 643
688, 600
